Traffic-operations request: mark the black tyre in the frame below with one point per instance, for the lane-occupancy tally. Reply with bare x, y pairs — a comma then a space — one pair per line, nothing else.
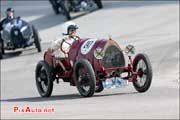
56, 9
54, 6
142, 65
1, 49
1, 56
64, 10
99, 88
44, 79
2, 46
85, 78
99, 4
36, 39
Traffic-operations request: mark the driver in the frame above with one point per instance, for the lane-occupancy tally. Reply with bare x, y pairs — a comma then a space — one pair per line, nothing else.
61, 46
9, 17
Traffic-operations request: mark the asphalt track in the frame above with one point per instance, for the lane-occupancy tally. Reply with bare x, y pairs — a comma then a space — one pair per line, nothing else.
152, 26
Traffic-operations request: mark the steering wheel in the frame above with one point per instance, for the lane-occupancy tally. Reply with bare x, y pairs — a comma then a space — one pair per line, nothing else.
64, 51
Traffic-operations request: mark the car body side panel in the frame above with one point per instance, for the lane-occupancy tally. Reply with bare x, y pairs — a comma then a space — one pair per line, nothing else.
76, 52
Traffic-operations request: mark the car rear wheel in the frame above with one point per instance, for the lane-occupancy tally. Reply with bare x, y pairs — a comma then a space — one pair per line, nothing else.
85, 78
44, 79
142, 66
36, 39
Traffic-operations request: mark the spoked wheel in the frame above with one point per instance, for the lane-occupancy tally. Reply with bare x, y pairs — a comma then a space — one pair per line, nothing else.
99, 4
85, 78
142, 66
44, 79
1, 56
64, 9
99, 88
1, 49
36, 38
56, 9
55, 6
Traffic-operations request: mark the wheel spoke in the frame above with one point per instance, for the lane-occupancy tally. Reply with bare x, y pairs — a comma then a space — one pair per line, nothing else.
83, 80
137, 67
144, 66
140, 64
39, 79
145, 72
138, 81
80, 78
141, 81
42, 75
144, 79
44, 87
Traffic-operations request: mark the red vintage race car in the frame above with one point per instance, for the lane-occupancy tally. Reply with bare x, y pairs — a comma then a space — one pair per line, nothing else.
89, 63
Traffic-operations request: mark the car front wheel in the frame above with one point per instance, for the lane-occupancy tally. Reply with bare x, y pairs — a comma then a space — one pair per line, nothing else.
85, 78
142, 66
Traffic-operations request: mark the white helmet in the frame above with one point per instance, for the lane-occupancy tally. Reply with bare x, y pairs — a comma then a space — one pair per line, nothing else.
67, 24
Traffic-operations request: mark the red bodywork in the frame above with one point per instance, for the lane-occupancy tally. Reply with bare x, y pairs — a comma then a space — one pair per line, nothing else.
76, 53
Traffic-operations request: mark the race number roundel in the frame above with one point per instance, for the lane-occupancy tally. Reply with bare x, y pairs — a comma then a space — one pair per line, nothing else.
87, 45
98, 54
